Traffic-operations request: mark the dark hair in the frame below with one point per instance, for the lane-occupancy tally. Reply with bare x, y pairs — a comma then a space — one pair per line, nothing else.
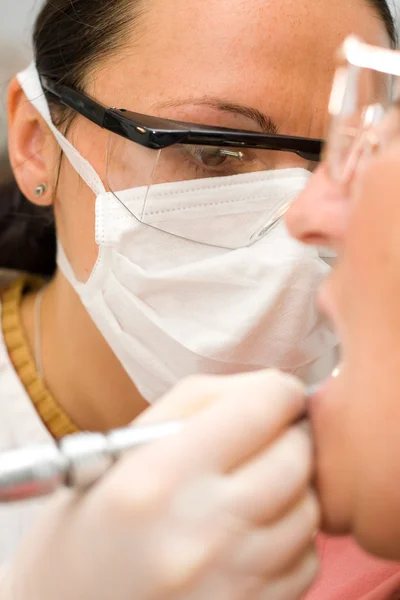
69, 36
383, 9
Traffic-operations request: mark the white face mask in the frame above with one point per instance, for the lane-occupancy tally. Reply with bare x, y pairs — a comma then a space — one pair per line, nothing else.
170, 306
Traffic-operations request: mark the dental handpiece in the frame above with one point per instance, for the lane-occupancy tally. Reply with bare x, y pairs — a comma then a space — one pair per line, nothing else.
77, 461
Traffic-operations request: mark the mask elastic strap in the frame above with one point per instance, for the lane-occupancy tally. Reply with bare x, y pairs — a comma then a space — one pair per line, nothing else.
64, 264
30, 84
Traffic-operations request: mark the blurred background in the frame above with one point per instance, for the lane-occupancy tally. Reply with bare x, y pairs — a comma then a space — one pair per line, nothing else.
17, 17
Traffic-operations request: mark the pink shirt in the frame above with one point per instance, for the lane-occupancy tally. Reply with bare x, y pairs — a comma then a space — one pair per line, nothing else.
348, 573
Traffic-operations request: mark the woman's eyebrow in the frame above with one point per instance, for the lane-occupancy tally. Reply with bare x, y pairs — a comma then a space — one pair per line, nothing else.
265, 122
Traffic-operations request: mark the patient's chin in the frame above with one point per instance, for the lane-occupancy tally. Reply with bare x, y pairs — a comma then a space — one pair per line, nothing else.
335, 510
333, 523
379, 536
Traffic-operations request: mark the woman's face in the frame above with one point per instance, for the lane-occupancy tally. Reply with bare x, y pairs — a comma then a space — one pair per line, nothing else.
216, 62
356, 417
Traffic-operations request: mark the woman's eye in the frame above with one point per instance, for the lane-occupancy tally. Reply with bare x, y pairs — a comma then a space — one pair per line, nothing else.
216, 157
214, 161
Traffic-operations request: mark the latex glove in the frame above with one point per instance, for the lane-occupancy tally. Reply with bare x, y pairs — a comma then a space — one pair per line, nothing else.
222, 510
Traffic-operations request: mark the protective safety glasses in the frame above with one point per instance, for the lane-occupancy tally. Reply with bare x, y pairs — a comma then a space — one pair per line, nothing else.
145, 151
364, 116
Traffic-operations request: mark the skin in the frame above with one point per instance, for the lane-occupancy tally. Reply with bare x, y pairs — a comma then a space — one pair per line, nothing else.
260, 54
355, 418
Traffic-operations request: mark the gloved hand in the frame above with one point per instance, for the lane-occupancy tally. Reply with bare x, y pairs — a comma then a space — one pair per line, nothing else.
222, 510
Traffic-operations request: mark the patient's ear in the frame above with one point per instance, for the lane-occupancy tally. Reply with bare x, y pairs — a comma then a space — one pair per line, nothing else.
32, 148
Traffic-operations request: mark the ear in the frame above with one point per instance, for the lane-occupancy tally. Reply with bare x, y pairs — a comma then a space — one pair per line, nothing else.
33, 149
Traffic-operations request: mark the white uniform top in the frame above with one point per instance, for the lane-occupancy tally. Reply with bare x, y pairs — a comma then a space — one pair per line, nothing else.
19, 425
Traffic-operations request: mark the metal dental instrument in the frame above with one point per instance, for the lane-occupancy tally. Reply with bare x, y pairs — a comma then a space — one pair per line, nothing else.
77, 461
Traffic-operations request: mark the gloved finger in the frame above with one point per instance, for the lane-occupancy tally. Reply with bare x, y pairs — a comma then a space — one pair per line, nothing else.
249, 412
185, 399
252, 410
266, 485
273, 549
293, 585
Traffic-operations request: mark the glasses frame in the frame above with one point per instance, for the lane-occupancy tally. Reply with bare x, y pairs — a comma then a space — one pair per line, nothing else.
158, 133
356, 53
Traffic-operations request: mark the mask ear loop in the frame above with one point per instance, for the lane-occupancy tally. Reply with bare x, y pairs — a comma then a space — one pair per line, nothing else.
32, 88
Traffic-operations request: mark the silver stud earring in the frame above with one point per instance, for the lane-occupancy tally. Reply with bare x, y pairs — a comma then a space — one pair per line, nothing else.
40, 190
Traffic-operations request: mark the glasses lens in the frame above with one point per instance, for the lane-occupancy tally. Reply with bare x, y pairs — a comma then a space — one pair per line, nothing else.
197, 192
359, 101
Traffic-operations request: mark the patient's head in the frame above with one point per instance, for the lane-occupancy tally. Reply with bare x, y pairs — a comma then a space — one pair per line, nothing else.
356, 418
